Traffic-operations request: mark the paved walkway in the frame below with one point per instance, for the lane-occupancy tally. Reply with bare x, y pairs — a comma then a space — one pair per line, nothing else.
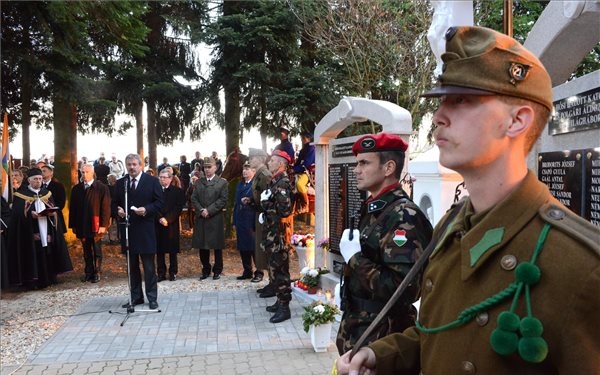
225, 332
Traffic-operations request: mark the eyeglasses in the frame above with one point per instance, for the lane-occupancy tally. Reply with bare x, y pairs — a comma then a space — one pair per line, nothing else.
164, 177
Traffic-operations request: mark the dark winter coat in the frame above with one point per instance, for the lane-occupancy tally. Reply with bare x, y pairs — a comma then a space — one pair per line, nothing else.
89, 209
209, 233
167, 238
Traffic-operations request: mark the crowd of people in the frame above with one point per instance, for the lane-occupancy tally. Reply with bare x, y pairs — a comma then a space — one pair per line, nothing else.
142, 210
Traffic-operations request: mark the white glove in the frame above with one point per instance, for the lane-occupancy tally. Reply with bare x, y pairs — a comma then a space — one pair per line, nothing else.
347, 247
337, 299
265, 195
261, 218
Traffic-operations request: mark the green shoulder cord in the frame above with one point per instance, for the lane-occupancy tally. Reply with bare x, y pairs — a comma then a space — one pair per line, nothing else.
512, 333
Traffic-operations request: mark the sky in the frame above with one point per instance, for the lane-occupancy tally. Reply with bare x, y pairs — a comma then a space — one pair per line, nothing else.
91, 145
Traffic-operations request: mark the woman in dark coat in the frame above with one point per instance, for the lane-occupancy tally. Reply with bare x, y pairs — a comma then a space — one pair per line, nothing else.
243, 220
167, 225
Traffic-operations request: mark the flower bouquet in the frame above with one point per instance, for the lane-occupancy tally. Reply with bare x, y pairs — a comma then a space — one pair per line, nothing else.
318, 313
304, 240
324, 243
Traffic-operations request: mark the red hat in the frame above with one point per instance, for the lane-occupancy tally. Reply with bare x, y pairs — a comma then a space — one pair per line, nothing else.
282, 154
379, 142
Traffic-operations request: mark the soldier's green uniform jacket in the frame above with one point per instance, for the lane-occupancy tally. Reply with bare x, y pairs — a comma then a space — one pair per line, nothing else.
388, 251
259, 184
278, 206
476, 258
212, 195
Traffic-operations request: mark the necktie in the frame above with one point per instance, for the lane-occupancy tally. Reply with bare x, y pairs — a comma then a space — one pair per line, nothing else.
45, 185
133, 184
86, 185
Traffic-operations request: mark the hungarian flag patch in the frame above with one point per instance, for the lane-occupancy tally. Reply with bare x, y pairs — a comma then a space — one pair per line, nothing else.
400, 237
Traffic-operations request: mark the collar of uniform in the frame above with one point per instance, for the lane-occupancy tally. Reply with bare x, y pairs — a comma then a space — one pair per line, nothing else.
383, 191
502, 223
278, 175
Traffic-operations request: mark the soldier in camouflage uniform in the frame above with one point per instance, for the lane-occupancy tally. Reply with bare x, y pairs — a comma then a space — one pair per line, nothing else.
392, 233
276, 204
257, 158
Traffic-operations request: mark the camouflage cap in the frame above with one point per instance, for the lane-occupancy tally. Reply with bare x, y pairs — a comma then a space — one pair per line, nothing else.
481, 61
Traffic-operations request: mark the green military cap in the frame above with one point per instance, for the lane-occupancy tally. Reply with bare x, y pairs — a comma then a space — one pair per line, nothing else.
481, 61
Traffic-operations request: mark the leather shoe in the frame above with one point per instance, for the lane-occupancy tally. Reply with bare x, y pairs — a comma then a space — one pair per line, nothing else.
153, 305
267, 294
216, 276
135, 303
256, 279
95, 279
161, 278
204, 277
244, 277
172, 277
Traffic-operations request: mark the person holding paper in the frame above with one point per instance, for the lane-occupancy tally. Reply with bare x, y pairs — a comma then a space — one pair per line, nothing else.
37, 248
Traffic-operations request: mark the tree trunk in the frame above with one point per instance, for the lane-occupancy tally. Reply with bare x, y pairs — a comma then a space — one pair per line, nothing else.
232, 118
150, 107
232, 140
139, 129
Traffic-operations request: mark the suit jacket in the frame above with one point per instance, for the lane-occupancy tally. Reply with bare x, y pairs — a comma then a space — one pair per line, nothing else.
141, 233
89, 209
168, 237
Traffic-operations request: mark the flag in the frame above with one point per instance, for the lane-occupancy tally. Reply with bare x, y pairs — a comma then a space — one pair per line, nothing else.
5, 160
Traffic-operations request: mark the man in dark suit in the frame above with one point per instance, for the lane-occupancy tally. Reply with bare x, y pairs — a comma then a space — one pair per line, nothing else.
137, 200
167, 225
59, 193
89, 218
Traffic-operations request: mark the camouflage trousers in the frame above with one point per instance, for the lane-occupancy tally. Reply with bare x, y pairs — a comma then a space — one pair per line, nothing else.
279, 268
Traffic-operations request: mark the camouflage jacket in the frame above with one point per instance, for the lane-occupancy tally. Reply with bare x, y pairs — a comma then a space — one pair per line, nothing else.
388, 251
278, 206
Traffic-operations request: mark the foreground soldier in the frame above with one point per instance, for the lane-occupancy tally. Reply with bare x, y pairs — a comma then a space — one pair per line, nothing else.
277, 204
513, 284
392, 232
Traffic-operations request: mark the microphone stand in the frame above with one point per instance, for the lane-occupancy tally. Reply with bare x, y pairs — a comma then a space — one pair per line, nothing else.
130, 308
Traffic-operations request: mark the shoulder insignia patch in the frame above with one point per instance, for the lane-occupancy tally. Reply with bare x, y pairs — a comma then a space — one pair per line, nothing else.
376, 205
575, 226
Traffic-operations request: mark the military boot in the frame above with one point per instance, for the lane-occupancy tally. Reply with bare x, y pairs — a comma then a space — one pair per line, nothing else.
273, 308
265, 288
282, 314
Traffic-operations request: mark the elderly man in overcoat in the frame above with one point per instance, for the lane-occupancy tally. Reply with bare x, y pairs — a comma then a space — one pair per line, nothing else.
209, 200
138, 199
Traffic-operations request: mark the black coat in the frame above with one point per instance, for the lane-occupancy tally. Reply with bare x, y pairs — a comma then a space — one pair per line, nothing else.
89, 209
167, 238
141, 233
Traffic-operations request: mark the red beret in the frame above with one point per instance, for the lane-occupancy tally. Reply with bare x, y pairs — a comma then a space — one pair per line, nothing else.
282, 154
379, 142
